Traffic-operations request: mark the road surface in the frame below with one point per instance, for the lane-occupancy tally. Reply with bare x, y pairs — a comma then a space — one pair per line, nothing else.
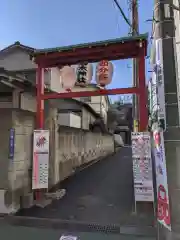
99, 196
102, 193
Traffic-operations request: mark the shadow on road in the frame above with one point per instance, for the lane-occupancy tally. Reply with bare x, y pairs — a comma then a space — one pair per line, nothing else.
102, 193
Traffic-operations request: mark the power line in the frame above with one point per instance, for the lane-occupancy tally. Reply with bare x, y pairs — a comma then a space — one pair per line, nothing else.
122, 13
117, 16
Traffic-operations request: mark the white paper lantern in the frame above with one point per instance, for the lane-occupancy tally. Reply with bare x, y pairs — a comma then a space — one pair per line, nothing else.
68, 77
84, 73
104, 73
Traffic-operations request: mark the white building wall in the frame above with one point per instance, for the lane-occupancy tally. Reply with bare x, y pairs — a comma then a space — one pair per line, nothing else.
64, 119
85, 119
98, 103
69, 120
19, 60
75, 120
16, 60
27, 102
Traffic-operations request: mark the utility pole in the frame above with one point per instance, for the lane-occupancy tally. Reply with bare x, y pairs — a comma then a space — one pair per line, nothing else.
164, 30
135, 31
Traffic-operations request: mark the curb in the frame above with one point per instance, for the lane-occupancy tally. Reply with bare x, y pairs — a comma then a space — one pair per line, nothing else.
146, 231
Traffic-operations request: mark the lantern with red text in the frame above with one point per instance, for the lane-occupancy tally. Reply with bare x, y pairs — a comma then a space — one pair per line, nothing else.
68, 77
104, 73
84, 73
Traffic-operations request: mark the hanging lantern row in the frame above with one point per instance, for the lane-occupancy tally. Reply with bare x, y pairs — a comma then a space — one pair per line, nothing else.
82, 74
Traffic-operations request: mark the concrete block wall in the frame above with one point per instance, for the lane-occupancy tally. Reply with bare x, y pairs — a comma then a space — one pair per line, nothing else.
72, 147
79, 147
69, 149
5, 125
20, 167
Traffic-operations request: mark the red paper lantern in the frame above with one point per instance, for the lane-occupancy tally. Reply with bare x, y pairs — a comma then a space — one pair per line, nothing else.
104, 73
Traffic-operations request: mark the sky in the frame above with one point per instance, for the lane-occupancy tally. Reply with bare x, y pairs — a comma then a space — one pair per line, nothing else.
44, 24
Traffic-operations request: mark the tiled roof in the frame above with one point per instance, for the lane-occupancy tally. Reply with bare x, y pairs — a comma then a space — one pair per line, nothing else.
17, 44
84, 45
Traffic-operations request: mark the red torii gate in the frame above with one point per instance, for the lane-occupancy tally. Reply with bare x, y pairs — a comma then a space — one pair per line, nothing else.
121, 48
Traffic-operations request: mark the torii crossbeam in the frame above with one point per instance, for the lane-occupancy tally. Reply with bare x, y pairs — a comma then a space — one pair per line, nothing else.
121, 48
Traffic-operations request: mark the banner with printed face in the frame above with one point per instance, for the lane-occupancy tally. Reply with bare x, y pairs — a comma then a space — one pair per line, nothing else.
142, 167
163, 211
40, 159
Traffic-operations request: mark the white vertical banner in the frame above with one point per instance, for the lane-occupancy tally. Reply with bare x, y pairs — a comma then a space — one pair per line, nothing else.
40, 159
163, 210
153, 96
159, 70
142, 167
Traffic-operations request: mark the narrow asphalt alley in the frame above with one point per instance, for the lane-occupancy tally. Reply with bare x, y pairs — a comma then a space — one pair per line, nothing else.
102, 193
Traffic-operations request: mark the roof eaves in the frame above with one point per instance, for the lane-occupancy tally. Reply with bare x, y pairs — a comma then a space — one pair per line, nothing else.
84, 45
10, 75
17, 44
16, 81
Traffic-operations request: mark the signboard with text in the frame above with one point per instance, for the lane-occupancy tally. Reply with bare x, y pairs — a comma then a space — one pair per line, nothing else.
142, 167
40, 159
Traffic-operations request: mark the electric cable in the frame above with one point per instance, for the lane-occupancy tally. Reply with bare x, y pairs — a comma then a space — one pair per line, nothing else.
122, 13
117, 16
